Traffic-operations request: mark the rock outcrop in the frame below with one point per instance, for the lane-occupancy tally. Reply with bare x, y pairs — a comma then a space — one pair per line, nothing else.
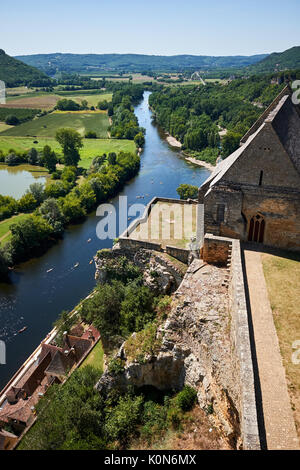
192, 347
159, 272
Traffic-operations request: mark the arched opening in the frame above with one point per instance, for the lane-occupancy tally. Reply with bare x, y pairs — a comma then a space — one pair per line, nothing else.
257, 227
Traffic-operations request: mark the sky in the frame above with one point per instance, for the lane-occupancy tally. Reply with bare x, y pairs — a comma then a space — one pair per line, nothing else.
159, 27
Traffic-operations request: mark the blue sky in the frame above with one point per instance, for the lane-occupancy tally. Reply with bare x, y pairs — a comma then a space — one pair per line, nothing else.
164, 27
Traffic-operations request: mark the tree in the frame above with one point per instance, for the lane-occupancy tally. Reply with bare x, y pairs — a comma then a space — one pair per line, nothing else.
32, 156
70, 141
187, 191
230, 143
91, 135
4, 263
139, 140
37, 190
28, 235
49, 158
84, 104
103, 105
12, 120
12, 159
67, 105
112, 158
27, 203
52, 213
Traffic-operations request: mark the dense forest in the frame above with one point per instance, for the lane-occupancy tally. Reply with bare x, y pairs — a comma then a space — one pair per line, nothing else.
289, 59
15, 73
195, 114
53, 63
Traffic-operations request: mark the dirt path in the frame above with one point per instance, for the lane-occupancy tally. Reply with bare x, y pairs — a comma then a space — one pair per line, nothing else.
278, 418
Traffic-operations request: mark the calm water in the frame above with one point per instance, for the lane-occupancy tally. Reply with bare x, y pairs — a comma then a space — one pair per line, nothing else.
14, 180
35, 298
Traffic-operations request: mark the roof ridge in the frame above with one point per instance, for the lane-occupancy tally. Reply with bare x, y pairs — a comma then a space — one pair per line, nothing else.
286, 91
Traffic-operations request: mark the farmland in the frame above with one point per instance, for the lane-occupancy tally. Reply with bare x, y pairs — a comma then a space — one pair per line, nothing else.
91, 147
47, 101
47, 126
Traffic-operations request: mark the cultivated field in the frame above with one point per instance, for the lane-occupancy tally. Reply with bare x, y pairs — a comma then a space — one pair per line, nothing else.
92, 99
4, 127
46, 126
91, 148
46, 101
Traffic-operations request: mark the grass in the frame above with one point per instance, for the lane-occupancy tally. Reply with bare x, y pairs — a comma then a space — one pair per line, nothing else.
92, 99
91, 147
282, 276
46, 126
5, 234
4, 127
95, 358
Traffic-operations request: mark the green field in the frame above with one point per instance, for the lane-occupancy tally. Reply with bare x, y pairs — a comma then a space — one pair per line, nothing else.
95, 357
4, 127
91, 147
47, 101
92, 98
46, 126
4, 227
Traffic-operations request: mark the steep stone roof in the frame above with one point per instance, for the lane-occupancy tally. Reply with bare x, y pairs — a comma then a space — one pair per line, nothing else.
285, 92
283, 116
286, 123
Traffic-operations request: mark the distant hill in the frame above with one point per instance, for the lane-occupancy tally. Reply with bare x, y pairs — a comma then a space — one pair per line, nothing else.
52, 63
289, 59
14, 72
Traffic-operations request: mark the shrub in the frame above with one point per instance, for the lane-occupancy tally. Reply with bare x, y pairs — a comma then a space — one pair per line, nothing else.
12, 120
116, 366
91, 135
186, 399
12, 159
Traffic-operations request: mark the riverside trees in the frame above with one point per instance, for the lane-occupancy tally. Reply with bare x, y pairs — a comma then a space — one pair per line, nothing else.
71, 142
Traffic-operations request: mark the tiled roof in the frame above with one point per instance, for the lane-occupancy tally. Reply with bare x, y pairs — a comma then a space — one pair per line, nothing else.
60, 364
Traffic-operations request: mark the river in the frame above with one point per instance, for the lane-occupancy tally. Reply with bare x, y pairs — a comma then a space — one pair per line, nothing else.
34, 298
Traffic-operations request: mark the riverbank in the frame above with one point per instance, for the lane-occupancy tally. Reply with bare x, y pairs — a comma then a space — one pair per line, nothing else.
172, 141
193, 160
34, 297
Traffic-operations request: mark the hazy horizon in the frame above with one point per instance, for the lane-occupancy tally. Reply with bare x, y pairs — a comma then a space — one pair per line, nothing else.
231, 28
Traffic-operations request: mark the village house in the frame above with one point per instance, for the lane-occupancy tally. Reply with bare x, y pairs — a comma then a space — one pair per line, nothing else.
52, 366
254, 194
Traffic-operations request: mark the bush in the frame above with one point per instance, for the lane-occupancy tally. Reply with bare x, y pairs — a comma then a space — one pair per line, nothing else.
91, 135
12, 159
116, 366
12, 120
186, 399
187, 191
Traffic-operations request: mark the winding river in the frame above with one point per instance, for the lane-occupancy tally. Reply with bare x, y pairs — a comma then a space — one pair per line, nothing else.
34, 298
